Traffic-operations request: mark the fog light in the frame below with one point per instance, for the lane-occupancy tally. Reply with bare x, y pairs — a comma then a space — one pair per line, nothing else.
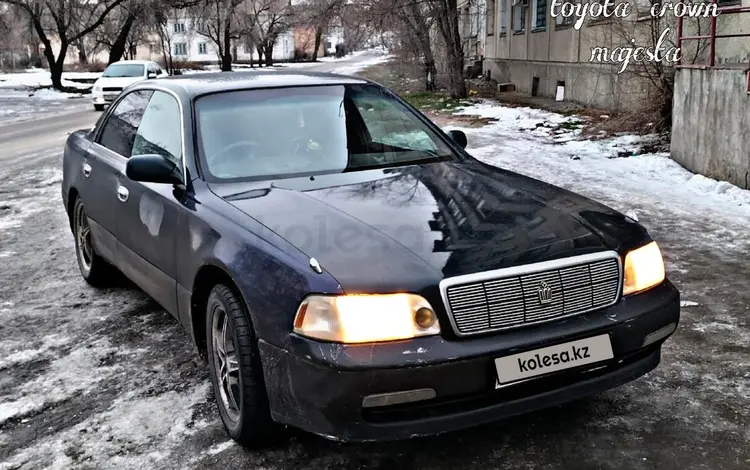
661, 333
424, 318
397, 398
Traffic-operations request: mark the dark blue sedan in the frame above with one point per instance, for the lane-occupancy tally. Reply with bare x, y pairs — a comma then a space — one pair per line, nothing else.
347, 268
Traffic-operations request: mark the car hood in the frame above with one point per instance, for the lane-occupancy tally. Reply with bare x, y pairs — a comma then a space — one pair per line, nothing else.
120, 82
408, 227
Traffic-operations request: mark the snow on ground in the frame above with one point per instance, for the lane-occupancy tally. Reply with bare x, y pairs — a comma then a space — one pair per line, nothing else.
28, 94
359, 66
39, 78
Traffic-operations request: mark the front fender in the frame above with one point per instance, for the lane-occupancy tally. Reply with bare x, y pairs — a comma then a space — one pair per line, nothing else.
271, 275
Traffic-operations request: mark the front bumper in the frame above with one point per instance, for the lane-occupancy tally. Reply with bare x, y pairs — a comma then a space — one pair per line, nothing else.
320, 387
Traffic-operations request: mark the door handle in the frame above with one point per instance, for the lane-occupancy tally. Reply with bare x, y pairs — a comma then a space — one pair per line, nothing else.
122, 193
86, 170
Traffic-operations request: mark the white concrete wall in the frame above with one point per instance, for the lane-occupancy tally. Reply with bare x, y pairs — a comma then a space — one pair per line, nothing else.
711, 124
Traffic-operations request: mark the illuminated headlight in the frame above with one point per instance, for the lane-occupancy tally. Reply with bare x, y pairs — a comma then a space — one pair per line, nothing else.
644, 268
365, 318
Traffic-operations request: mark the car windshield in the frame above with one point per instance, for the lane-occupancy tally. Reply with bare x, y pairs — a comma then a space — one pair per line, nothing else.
124, 70
298, 131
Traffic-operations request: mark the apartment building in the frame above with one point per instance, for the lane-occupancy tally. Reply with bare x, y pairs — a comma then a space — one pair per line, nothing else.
542, 55
187, 44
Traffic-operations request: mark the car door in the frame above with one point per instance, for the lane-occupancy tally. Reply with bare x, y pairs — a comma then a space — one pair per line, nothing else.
104, 162
147, 217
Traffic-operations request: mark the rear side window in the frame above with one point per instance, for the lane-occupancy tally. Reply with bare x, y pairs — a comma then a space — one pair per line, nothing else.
160, 131
118, 133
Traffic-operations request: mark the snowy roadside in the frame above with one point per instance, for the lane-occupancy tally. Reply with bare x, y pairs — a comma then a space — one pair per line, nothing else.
26, 95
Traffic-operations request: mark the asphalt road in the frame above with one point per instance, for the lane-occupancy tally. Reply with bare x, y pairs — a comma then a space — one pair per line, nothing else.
106, 379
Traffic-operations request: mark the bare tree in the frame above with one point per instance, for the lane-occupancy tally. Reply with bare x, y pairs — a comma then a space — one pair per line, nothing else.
68, 21
218, 21
266, 20
447, 21
415, 23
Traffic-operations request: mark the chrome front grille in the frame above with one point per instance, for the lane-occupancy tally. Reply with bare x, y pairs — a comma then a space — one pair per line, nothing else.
512, 297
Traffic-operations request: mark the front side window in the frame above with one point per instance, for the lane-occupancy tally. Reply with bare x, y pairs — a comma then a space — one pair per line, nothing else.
160, 130
288, 132
124, 70
118, 133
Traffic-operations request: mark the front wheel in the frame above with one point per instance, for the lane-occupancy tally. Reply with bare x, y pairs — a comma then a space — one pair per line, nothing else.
99, 107
94, 269
236, 370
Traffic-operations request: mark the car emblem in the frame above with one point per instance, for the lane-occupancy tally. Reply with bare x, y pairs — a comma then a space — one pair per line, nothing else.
545, 293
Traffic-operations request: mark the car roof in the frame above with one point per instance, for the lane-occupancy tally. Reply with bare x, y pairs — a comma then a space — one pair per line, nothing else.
134, 62
195, 84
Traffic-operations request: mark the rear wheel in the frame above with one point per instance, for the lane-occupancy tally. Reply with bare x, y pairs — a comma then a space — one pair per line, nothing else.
236, 370
94, 269
99, 107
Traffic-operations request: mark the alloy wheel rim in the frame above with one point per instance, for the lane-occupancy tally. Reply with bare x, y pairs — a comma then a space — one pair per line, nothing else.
83, 235
226, 363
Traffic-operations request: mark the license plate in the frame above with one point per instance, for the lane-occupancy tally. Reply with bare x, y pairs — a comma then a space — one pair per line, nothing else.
552, 359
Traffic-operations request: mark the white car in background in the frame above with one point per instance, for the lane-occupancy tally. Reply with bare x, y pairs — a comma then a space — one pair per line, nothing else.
120, 74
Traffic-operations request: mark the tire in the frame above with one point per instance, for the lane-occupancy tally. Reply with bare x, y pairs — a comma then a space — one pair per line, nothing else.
240, 393
99, 107
95, 270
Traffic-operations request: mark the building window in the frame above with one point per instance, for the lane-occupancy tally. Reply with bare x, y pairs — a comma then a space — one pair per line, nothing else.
179, 27
202, 48
539, 14
519, 16
491, 16
180, 48
503, 16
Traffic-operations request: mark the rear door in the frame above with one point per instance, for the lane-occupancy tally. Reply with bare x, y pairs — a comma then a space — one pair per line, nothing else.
104, 162
147, 219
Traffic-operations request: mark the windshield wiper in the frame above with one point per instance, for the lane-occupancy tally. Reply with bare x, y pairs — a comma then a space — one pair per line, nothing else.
393, 164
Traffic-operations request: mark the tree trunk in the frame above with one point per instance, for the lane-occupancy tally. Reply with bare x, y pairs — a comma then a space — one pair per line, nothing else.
415, 21
56, 66
430, 71
260, 55
448, 25
226, 54
269, 55
82, 57
318, 38
119, 46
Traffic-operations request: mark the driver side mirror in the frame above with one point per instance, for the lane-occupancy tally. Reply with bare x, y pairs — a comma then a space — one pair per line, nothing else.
153, 168
151, 75
458, 137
